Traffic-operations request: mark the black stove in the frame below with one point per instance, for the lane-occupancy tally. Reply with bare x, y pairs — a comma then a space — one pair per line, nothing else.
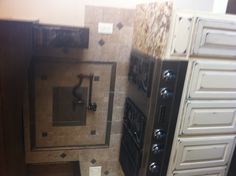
151, 111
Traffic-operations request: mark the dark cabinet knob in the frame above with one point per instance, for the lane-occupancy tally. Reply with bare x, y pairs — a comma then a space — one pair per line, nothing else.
157, 148
168, 75
159, 134
154, 168
166, 93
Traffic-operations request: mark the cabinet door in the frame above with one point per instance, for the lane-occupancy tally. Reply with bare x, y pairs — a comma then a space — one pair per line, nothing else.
214, 171
213, 80
209, 117
214, 38
15, 56
181, 35
200, 152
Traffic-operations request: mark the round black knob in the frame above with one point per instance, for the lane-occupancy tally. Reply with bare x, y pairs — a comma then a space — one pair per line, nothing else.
154, 168
157, 148
168, 75
159, 134
166, 93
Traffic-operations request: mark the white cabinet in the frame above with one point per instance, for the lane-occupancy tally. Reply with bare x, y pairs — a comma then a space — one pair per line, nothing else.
181, 35
215, 171
214, 38
209, 117
212, 79
201, 152
205, 133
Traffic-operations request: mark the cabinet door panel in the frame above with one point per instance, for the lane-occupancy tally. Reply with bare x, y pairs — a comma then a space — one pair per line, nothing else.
209, 117
215, 38
199, 152
213, 80
214, 171
15, 56
181, 36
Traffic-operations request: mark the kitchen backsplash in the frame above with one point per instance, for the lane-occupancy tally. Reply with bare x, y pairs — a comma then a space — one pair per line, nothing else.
114, 48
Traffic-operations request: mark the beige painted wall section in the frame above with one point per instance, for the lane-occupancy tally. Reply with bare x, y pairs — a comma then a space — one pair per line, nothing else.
71, 12
65, 12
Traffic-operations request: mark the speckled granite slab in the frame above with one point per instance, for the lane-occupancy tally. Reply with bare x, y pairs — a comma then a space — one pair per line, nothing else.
151, 27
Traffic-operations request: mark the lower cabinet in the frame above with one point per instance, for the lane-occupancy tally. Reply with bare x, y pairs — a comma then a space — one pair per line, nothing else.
206, 128
209, 117
215, 171
202, 152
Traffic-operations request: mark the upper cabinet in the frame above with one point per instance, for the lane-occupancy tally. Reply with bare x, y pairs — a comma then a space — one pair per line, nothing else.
181, 35
196, 35
214, 38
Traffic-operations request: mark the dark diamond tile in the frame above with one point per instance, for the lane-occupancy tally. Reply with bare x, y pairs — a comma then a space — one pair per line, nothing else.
106, 172
101, 42
96, 78
119, 25
93, 132
93, 161
44, 77
63, 155
44, 134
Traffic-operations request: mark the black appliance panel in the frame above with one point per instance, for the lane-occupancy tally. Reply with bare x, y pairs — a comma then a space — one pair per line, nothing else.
132, 139
167, 107
141, 71
134, 120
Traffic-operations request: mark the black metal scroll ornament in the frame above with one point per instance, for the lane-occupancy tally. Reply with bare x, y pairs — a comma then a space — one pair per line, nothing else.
77, 94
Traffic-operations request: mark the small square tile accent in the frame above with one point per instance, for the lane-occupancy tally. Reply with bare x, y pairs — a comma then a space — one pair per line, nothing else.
96, 78
44, 77
101, 42
63, 155
93, 132
106, 172
93, 161
44, 134
119, 25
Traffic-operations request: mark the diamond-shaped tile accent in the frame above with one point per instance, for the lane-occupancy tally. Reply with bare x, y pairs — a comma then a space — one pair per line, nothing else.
44, 134
63, 155
44, 77
119, 25
101, 42
93, 132
96, 78
93, 161
106, 172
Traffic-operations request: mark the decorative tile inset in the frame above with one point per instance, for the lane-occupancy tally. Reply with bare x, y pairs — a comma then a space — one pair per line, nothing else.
101, 42
63, 155
93, 161
106, 172
96, 78
93, 132
119, 25
44, 134
44, 77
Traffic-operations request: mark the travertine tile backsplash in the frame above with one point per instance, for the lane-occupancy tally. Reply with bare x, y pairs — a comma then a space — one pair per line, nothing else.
107, 48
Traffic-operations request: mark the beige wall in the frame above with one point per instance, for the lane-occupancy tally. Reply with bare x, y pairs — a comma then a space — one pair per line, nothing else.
71, 12
66, 12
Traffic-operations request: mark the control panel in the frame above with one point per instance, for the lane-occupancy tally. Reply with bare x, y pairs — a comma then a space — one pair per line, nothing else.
172, 75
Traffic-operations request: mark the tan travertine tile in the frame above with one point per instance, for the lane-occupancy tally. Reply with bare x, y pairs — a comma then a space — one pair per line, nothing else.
93, 14
111, 15
116, 127
117, 48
